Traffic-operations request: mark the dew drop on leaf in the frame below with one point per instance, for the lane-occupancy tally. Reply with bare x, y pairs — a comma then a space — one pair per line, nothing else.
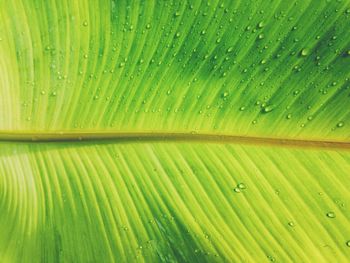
225, 94
271, 258
241, 186
267, 108
304, 52
331, 214
237, 190
261, 24
340, 124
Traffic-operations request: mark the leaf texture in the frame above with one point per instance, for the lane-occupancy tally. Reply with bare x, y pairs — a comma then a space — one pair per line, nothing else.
153, 74
258, 68
183, 202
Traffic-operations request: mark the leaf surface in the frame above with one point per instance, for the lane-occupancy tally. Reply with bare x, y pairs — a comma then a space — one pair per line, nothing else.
211, 131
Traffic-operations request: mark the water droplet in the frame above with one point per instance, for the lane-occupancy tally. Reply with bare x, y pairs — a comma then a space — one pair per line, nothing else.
304, 52
348, 243
237, 190
271, 258
177, 35
54, 93
289, 116
340, 124
291, 224
85, 23
331, 214
230, 49
261, 24
267, 109
241, 186
225, 94
148, 26
242, 108
260, 36
296, 92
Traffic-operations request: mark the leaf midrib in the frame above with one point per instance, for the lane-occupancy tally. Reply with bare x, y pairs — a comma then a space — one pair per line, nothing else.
74, 136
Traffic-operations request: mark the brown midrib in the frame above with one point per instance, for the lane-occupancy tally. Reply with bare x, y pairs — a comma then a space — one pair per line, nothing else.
21, 136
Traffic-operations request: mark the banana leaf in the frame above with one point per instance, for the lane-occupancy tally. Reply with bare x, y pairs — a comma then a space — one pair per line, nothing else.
174, 131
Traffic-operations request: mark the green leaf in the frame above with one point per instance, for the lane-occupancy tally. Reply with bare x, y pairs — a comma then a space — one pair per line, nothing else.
176, 131
174, 202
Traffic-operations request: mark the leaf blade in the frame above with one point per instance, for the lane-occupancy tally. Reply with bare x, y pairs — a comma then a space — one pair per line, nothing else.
119, 196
